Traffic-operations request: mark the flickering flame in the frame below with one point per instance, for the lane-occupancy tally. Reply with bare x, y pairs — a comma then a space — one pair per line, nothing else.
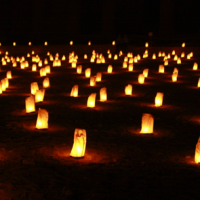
183, 44
146, 44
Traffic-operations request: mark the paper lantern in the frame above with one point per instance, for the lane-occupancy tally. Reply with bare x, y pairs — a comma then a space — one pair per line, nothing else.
120, 53
39, 95
161, 69
74, 91
174, 76
179, 61
46, 82
147, 123
47, 69
159, 99
175, 70
71, 42
46, 61
173, 52
146, 72
42, 72
93, 81
110, 55
14, 64
1, 88
113, 42
159, 54
33, 52
98, 77
42, 119
198, 84
3, 85
197, 152
166, 63
91, 100
89, 43
195, 66
141, 78
85, 56
9, 74
125, 59
79, 69
34, 67
30, 104
182, 55
183, 44
45, 44
115, 57
34, 87
79, 145
14, 43
175, 57
110, 69
128, 89
103, 94
131, 60
73, 64
125, 64
88, 72
29, 44
6, 82
130, 67
28, 55
154, 56
146, 44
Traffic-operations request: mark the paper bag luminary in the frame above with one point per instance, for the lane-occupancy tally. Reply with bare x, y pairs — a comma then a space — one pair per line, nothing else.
141, 78
98, 76
92, 80
110, 69
146, 72
91, 100
46, 82
195, 66
34, 87
9, 75
74, 91
79, 69
30, 104
159, 99
147, 123
103, 94
128, 89
42, 119
79, 145
88, 72
39, 95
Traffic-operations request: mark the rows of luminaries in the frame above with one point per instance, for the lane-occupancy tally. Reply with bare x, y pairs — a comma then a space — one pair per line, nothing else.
44, 67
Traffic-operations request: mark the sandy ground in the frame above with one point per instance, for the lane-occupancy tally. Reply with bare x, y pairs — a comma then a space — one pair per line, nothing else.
120, 163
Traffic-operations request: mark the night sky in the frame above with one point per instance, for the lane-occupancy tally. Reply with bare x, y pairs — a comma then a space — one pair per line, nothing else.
61, 21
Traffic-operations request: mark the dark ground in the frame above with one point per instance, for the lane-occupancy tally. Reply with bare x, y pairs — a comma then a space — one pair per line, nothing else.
119, 163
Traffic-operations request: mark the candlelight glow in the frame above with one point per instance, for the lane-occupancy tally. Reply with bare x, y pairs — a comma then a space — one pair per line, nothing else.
147, 123
9, 74
79, 145
30, 104
91, 100
46, 82
110, 69
103, 94
39, 95
183, 44
79, 69
113, 43
130, 67
34, 87
146, 44
93, 81
146, 72
161, 69
98, 77
197, 152
141, 78
159, 99
88, 72
128, 89
195, 66
42, 119
174, 76
74, 91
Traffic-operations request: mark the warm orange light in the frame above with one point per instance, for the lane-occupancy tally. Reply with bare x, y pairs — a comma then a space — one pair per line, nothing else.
166, 63
74, 91
141, 78
30, 104
79, 69
34, 87
89, 43
85, 56
146, 44
73, 64
88, 72
173, 52
45, 44
130, 67
110, 55
174, 77
195, 66
182, 55
179, 61
128, 89
47, 69
42, 72
29, 43
115, 57
159, 54
1, 88
147, 123
197, 152
28, 55
39, 95
71, 42
91, 100
113, 43
46, 61
154, 56
40, 63
175, 70
110, 69
3, 84
159, 99
103, 94
183, 44
125, 64
42, 119
79, 145
14, 43
9, 74
161, 69
146, 72
98, 77
46, 82
198, 84
92, 81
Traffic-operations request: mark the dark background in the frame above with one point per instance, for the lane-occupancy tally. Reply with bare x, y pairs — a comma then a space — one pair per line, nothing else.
101, 21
